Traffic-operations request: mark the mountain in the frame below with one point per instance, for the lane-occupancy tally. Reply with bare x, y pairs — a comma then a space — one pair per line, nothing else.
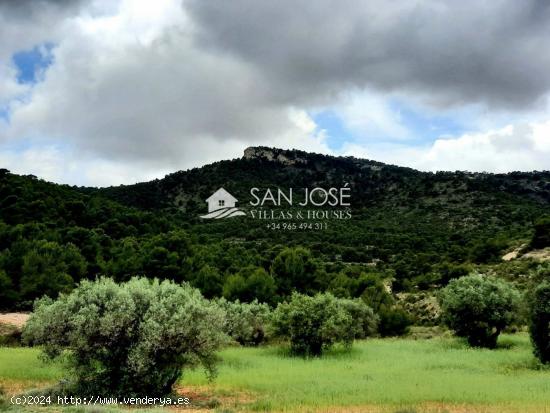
371, 182
418, 229
391, 204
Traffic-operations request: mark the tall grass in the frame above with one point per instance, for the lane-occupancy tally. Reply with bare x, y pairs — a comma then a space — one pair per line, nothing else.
376, 375
390, 372
25, 364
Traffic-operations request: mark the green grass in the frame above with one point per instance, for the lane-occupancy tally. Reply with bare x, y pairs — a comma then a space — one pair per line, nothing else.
389, 374
25, 364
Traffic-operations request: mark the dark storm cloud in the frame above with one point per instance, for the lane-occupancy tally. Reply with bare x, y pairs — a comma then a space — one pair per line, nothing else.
25, 24
24, 9
454, 52
137, 88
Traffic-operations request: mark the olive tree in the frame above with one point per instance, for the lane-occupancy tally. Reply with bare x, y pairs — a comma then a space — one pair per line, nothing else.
128, 339
314, 324
246, 323
539, 325
365, 321
479, 308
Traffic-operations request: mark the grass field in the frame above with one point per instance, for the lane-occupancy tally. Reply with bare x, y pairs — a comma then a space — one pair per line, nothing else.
380, 375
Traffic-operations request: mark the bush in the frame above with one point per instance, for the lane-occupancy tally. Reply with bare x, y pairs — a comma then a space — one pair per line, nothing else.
245, 323
49, 268
365, 322
294, 269
8, 294
209, 282
394, 321
314, 324
539, 326
248, 284
541, 237
479, 308
130, 339
10, 335
422, 306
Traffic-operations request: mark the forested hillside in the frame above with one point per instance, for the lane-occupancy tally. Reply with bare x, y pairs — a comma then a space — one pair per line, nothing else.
411, 229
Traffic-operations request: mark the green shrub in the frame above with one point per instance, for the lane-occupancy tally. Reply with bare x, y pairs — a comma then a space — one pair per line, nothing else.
541, 237
365, 322
422, 306
245, 322
294, 269
314, 324
375, 294
128, 339
209, 282
394, 321
248, 284
479, 308
539, 326
49, 268
8, 294
10, 335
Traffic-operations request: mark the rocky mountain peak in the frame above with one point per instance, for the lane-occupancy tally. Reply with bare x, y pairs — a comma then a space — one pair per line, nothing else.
285, 157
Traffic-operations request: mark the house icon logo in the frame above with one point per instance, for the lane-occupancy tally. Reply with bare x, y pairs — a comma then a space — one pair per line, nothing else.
221, 204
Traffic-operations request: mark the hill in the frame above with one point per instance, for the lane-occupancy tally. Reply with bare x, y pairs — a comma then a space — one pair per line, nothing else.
413, 229
372, 182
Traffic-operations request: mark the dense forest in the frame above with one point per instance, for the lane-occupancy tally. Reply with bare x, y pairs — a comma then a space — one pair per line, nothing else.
409, 231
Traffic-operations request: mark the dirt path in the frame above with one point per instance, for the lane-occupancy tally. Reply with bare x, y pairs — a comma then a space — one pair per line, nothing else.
539, 255
17, 319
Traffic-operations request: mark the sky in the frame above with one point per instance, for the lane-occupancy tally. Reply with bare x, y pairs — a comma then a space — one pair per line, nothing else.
109, 92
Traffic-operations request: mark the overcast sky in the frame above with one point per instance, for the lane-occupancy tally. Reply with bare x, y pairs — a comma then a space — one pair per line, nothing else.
104, 92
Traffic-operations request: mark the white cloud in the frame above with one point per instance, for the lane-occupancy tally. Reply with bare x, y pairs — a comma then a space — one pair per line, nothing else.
520, 147
9, 88
72, 165
512, 148
141, 88
370, 117
131, 88
52, 163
